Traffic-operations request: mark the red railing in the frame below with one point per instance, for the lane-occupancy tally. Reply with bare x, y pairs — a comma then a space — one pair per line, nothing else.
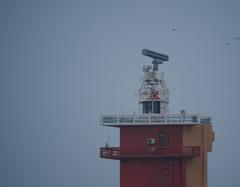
168, 151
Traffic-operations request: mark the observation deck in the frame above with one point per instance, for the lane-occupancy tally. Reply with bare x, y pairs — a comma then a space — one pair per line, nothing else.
153, 152
154, 119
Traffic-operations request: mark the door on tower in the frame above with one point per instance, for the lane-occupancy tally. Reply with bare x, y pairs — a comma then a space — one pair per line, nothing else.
163, 173
169, 172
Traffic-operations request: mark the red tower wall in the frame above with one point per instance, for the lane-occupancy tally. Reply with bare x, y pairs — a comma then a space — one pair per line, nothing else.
150, 172
136, 136
136, 172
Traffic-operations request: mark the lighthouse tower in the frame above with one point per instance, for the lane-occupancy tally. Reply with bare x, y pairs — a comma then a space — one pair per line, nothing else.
158, 149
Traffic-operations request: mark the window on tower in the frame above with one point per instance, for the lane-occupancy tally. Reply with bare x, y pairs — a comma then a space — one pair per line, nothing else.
163, 139
156, 107
147, 107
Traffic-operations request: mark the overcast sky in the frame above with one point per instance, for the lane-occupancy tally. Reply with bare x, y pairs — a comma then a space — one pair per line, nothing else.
63, 63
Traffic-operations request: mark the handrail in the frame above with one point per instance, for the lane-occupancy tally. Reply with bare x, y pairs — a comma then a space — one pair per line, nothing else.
173, 151
154, 119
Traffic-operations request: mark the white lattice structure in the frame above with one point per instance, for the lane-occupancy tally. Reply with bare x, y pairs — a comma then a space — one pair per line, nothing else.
153, 94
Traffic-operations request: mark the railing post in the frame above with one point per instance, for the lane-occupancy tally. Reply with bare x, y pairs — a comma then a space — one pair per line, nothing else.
101, 119
118, 117
182, 119
198, 119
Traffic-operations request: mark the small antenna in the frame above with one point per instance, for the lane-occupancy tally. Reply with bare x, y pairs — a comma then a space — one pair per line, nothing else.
107, 142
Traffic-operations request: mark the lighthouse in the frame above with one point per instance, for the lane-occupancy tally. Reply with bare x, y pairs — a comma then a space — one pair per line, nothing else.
157, 148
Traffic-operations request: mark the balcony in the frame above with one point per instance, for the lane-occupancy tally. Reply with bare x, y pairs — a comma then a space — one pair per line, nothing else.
153, 119
151, 152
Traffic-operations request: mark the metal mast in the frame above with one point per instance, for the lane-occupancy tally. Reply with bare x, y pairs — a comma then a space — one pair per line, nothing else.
153, 94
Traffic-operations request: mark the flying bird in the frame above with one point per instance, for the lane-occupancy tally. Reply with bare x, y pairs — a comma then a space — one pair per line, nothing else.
227, 43
173, 29
237, 38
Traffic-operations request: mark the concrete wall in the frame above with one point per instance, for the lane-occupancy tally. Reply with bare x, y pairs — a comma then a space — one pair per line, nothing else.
196, 168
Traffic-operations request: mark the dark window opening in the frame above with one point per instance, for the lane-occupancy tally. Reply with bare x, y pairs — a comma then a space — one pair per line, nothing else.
151, 107
163, 139
147, 107
156, 107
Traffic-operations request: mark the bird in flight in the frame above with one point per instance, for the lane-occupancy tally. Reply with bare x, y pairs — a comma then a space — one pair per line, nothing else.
227, 43
237, 38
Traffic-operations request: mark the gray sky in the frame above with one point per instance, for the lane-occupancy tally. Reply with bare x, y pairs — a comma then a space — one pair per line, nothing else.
63, 63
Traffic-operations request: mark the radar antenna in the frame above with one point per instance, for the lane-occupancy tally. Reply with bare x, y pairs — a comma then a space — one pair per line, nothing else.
158, 58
